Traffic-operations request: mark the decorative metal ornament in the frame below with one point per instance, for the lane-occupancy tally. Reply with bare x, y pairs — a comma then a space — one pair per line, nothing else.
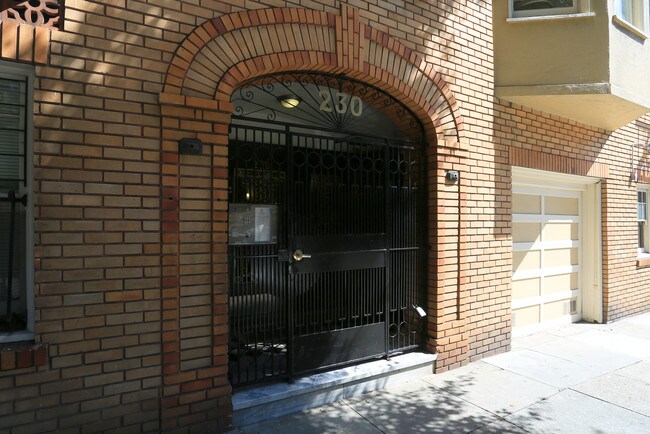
42, 13
326, 103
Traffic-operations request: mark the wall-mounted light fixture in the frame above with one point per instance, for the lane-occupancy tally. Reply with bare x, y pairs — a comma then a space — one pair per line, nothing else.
289, 101
421, 313
636, 162
452, 176
190, 146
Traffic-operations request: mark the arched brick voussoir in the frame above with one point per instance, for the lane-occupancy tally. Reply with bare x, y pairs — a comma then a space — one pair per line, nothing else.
224, 24
428, 87
218, 55
225, 51
427, 102
316, 61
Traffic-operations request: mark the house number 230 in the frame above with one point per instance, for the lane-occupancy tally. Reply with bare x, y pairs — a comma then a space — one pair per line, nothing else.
341, 104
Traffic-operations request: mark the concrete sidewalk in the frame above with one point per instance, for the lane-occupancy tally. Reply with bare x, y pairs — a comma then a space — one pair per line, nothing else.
580, 378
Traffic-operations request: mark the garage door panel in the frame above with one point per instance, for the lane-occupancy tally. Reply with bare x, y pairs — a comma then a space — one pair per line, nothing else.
546, 256
556, 309
561, 231
554, 205
526, 232
526, 288
560, 283
560, 257
525, 316
526, 261
526, 203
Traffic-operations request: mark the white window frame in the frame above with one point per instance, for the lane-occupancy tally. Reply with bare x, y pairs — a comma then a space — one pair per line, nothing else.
643, 243
26, 73
639, 24
575, 9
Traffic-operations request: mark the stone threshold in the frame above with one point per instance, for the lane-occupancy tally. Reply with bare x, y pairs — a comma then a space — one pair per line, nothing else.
279, 399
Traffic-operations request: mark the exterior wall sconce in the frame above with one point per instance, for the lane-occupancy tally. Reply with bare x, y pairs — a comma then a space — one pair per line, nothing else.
452, 176
636, 163
421, 313
190, 146
289, 101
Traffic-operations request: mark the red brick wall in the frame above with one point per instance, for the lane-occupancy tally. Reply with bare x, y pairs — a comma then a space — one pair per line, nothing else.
210, 64
131, 236
541, 141
195, 265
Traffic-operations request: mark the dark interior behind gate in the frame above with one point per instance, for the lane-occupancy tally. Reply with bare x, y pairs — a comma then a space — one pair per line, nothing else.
325, 227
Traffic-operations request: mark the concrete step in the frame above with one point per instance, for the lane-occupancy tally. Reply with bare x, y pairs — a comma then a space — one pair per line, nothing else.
275, 400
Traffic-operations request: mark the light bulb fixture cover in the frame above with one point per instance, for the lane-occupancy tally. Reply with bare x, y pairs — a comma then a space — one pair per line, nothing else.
289, 101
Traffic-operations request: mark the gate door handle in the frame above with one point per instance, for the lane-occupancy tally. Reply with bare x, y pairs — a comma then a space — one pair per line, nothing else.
298, 255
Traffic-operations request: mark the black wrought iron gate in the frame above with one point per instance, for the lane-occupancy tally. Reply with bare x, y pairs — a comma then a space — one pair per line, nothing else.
325, 249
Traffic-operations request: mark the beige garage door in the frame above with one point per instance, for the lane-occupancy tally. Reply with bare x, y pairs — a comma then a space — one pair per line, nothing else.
546, 258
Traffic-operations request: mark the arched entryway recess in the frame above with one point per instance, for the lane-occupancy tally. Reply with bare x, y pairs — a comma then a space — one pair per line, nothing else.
206, 69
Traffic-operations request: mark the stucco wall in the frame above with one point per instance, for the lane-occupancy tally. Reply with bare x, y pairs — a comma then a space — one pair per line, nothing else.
629, 60
553, 51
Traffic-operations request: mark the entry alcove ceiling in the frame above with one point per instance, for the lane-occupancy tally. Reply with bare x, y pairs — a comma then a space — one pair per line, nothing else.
326, 104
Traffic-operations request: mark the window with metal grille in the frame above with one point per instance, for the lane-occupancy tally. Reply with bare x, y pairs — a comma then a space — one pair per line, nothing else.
16, 298
642, 218
530, 8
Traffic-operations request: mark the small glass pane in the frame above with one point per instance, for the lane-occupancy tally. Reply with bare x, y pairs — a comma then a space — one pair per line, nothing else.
642, 244
526, 232
526, 203
642, 205
561, 205
527, 5
526, 261
561, 232
13, 219
632, 12
12, 134
13, 302
12, 92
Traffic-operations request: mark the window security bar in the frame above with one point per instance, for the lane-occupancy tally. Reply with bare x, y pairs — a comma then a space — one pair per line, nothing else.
11, 197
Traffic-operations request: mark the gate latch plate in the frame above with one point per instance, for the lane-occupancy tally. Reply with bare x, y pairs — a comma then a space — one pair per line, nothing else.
284, 255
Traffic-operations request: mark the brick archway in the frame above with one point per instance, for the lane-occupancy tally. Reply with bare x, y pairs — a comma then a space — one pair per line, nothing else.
223, 52
208, 66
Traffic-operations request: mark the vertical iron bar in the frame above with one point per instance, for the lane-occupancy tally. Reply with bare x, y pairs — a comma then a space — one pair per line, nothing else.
25, 129
387, 237
10, 259
423, 233
405, 286
290, 282
231, 272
